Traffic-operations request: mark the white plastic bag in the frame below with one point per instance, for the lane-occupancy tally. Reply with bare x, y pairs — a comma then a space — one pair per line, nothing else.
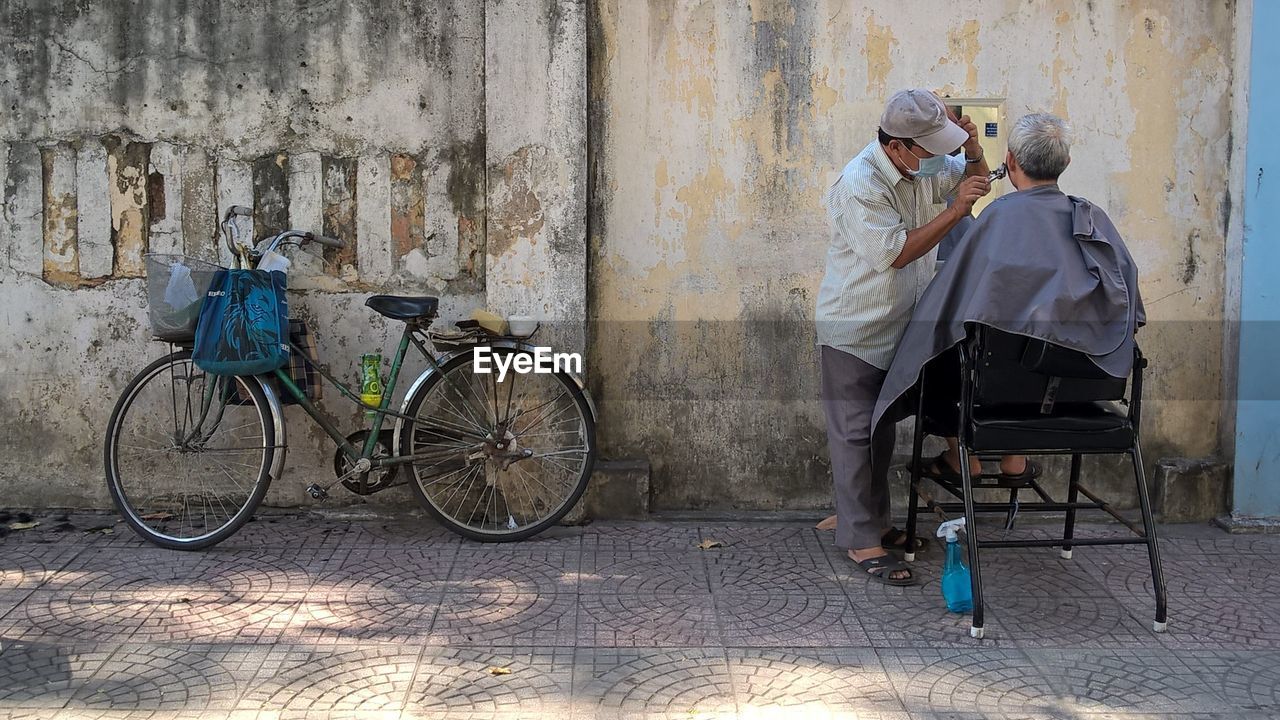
273, 260
181, 290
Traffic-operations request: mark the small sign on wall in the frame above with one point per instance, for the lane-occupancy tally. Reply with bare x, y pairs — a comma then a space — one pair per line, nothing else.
992, 129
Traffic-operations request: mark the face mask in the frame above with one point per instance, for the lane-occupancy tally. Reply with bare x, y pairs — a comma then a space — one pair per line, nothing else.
929, 166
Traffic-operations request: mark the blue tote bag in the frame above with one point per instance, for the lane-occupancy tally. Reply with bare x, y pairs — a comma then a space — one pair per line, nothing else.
243, 328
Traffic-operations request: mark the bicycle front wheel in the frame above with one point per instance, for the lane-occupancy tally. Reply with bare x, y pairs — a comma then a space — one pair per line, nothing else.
498, 461
188, 454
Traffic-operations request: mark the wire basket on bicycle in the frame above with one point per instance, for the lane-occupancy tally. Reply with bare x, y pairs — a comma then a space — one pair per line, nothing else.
176, 287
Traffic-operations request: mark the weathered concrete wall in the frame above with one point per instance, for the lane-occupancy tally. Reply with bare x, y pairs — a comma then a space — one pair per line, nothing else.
536, 108
449, 141
717, 126
129, 127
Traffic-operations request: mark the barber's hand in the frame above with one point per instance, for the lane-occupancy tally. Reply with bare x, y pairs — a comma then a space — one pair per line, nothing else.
971, 188
972, 148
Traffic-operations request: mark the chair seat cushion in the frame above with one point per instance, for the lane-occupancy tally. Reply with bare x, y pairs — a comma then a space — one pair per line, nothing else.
403, 308
1085, 426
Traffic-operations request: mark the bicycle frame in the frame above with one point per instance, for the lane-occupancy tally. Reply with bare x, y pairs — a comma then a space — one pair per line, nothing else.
365, 453
381, 411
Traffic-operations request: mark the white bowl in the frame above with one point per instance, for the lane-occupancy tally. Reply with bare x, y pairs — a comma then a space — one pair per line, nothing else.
522, 325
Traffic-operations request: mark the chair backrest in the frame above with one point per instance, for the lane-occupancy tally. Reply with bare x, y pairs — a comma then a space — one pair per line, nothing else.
1017, 370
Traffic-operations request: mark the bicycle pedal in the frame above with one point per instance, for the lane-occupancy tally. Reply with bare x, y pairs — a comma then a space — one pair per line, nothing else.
317, 492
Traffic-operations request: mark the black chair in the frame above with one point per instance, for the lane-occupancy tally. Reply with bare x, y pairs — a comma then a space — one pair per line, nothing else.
1018, 395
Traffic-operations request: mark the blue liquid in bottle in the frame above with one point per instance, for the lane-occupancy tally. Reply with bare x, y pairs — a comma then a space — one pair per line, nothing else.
957, 590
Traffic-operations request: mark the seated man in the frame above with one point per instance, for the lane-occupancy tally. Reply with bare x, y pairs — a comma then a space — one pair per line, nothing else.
1037, 263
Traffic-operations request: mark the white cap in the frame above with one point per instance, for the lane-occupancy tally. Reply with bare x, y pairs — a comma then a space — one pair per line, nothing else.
919, 115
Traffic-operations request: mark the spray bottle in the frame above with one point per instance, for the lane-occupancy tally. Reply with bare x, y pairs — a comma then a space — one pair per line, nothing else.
957, 590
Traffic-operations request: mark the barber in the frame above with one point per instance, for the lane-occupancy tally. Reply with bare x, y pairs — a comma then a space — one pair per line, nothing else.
887, 216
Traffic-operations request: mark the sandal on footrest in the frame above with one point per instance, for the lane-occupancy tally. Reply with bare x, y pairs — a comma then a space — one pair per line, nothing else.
1031, 472
896, 539
880, 568
937, 468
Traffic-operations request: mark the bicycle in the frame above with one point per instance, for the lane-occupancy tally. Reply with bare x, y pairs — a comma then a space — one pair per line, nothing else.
189, 456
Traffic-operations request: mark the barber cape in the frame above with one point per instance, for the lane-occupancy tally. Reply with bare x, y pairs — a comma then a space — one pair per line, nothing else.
1037, 263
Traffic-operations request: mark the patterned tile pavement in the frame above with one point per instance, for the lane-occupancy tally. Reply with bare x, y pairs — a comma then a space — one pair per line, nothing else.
303, 617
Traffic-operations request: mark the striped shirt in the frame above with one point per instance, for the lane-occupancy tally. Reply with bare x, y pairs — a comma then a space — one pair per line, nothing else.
864, 303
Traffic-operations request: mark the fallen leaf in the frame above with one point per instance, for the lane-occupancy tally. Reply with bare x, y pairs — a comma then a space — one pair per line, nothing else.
708, 544
158, 516
495, 670
22, 525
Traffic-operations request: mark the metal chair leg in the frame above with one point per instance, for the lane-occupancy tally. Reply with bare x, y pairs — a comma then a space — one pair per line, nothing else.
1153, 549
913, 503
1073, 494
1012, 513
913, 508
971, 529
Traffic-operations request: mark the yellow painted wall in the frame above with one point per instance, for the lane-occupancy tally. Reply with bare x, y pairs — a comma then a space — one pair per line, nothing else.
716, 127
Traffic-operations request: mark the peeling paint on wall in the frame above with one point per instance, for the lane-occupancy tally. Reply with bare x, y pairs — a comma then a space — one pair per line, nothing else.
408, 223
709, 236
878, 50
516, 214
152, 135
338, 178
127, 164
61, 261
963, 46
270, 194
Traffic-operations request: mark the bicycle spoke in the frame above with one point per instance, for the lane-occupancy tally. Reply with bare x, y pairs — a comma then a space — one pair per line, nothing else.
437, 423
477, 507
525, 473
554, 463
533, 504
511, 390
449, 377
573, 432
567, 451
446, 474
493, 381
538, 407
465, 477
454, 411
481, 396
173, 394
546, 417
470, 483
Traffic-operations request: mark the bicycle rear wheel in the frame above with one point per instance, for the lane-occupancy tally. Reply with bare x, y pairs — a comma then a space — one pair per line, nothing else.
188, 454
502, 461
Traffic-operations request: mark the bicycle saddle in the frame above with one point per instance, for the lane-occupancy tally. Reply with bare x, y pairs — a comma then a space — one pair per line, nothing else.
403, 308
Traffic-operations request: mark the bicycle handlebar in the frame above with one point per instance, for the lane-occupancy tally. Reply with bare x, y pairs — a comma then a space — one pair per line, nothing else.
328, 241
303, 235
231, 233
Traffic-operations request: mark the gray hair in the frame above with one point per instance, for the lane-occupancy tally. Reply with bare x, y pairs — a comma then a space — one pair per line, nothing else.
1041, 143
